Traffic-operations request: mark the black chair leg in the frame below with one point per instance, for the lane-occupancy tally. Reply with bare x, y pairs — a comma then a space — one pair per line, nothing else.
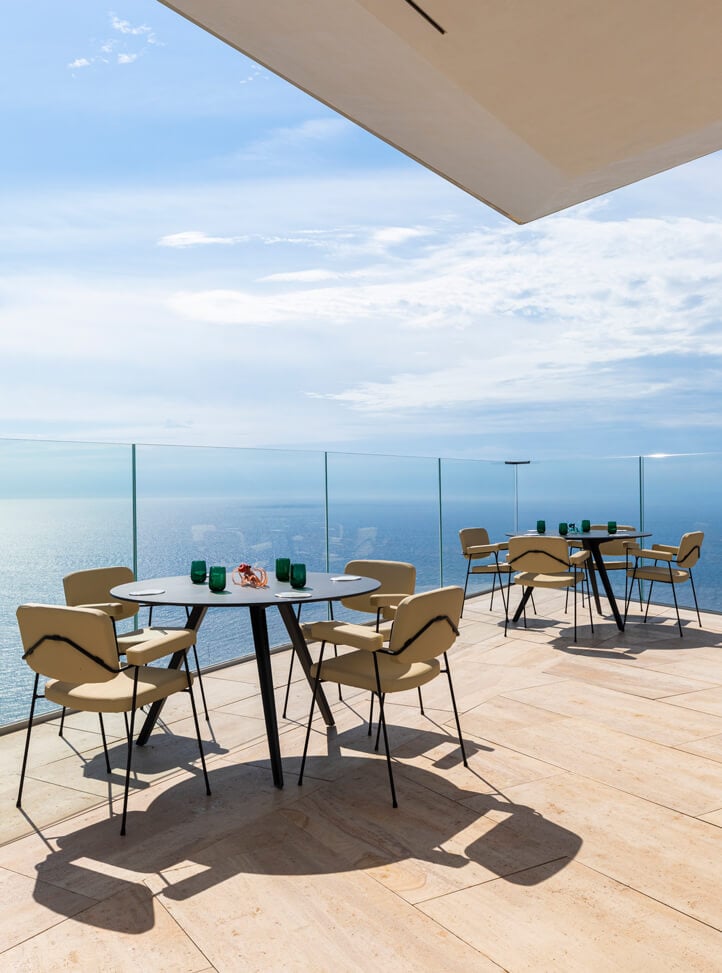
62, 722
456, 711
316, 682
382, 723
196, 723
694, 595
18, 803
105, 742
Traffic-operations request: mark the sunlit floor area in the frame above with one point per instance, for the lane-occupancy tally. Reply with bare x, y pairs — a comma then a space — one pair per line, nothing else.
585, 833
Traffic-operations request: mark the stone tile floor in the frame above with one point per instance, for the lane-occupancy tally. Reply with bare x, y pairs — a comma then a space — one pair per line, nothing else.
584, 835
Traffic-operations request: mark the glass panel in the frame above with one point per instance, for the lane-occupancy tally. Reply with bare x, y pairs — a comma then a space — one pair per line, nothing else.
228, 506
474, 494
63, 507
681, 494
384, 508
598, 490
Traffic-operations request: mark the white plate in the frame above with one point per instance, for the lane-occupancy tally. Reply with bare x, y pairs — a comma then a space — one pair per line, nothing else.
294, 594
147, 591
347, 577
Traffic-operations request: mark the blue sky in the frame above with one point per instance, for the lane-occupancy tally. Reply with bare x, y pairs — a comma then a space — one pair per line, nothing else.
194, 252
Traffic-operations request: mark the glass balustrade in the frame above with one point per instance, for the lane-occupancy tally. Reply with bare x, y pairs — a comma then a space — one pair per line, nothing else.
69, 506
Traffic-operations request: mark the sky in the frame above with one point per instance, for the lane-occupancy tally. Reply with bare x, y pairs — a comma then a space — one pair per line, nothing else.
194, 252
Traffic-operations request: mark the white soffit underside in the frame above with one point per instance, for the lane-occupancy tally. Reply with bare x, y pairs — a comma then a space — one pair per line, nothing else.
529, 105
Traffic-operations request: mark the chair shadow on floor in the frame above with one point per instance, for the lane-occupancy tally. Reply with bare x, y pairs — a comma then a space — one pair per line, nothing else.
184, 843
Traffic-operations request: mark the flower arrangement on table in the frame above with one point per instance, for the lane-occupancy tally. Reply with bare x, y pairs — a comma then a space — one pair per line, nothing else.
244, 574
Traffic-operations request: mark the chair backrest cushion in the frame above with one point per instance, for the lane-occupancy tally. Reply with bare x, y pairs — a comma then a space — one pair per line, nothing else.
70, 644
92, 587
690, 548
427, 624
473, 537
396, 577
538, 554
617, 548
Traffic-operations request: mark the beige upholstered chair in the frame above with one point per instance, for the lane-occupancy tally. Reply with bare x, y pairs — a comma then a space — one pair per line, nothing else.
75, 650
424, 628
91, 589
545, 562
677, 561
475, 546
398, 579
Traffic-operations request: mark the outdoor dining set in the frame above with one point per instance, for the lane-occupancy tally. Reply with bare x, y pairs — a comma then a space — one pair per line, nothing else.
82, 661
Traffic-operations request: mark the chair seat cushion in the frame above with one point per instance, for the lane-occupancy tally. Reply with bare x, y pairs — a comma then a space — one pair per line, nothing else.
659, 573
346, 633
357, 669
116, 694
565, 580
611, 565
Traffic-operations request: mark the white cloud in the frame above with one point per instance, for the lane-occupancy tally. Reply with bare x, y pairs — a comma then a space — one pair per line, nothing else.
127, 58
79, 62
125, 27
301, 276
392, 235
197, 238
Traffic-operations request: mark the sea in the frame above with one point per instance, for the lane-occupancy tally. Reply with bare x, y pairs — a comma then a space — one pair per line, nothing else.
45, 539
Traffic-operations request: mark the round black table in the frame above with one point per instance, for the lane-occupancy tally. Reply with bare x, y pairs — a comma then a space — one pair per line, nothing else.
199, 598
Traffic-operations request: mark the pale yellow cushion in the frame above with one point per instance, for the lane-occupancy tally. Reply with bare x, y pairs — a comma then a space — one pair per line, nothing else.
346, 633
658, 572
116, 695
357, 669
528, 579
167, 640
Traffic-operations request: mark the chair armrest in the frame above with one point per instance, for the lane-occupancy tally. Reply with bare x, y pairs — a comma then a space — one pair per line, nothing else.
484, 550
145, 652
112, 608
670, 548
579, 557
654, 554
387, 600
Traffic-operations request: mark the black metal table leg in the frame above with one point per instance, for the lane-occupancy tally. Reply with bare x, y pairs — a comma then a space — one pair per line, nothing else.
522, 604
194, 620
265, 678
601, 569
304, 657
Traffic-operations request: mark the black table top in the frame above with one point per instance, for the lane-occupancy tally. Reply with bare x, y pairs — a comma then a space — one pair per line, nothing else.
182, 591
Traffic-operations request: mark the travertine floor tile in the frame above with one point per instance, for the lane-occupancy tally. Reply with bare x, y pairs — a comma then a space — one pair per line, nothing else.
572, 919
32, 907
641, 768
275, 897
664, 854
654, 720
129, 931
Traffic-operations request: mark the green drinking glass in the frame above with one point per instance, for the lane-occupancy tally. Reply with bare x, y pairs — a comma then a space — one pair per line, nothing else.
612, 526
563, 529
199, 572
298, 576
283, 568
586, 526
217, 579
541, 526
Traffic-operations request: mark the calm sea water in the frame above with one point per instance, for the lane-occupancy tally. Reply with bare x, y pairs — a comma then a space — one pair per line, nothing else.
42, 540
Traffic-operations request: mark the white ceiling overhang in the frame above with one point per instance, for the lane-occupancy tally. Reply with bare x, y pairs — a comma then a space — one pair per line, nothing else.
529, 105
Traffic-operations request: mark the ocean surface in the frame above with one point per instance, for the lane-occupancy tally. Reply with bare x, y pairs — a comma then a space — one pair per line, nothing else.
42, 540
